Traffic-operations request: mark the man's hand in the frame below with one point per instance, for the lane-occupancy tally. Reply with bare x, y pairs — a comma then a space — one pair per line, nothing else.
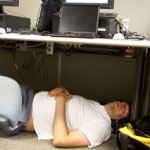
58, 90
62, 96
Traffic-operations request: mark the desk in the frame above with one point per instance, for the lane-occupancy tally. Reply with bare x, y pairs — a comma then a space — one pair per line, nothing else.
142, 75
79, 41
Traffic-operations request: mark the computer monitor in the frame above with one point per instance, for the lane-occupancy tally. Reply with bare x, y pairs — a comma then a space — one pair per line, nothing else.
104, 4
8, 3
79, 20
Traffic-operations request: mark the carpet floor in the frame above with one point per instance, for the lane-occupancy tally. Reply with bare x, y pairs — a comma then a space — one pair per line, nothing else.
29, 141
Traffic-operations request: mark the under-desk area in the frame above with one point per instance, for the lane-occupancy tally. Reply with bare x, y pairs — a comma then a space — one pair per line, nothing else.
113, 64
68, 47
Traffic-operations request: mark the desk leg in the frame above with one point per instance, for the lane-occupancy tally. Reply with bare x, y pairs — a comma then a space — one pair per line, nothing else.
135, 108
59, 69
145, 101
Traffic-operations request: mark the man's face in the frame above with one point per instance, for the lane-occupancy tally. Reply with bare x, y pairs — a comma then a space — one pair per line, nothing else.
120, 109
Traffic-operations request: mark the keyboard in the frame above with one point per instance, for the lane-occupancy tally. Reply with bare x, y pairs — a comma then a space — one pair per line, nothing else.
110, 15
72, 35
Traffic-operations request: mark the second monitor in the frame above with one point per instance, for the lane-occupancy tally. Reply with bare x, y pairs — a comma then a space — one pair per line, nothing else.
78, 20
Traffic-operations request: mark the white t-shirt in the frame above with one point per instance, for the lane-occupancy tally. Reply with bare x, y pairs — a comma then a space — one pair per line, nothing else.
87, 115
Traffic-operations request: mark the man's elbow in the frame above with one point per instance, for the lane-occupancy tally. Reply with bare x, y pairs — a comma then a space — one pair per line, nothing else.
59, 143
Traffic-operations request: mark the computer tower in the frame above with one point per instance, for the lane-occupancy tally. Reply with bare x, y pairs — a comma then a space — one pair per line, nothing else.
13, 23
55, 22
48, 8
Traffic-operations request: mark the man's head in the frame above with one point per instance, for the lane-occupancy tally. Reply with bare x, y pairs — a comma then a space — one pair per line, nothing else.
117, 110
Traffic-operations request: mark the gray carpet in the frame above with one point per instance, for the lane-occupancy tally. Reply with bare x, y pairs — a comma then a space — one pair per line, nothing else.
29, 141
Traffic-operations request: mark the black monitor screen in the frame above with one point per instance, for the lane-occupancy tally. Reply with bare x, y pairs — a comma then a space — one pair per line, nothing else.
104, 4
79, 18
8, 3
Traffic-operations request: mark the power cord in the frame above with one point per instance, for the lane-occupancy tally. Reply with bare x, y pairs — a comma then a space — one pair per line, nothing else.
39, 64
127, 33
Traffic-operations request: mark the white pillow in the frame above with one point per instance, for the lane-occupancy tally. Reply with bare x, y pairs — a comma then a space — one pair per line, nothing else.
10, 99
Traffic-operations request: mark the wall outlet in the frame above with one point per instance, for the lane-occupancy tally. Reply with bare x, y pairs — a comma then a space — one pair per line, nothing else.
50, 48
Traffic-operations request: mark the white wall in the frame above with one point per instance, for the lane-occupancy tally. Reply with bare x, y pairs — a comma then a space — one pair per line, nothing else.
136, 10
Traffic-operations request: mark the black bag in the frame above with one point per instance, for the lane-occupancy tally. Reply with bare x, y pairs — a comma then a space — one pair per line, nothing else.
142, 124
135, 135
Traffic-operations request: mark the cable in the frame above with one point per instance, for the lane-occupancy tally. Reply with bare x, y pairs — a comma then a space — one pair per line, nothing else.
38, 64
41, 58
38, 16
126, 32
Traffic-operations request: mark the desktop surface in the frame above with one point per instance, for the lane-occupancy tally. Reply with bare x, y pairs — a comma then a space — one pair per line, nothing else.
77, 41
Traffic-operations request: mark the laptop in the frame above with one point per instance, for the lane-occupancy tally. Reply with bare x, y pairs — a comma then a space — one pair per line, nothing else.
79, 21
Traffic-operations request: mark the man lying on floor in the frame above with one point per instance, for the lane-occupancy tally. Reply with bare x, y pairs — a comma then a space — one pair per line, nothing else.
71, 120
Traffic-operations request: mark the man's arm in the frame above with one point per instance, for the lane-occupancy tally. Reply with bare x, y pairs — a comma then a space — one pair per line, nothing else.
62, 136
